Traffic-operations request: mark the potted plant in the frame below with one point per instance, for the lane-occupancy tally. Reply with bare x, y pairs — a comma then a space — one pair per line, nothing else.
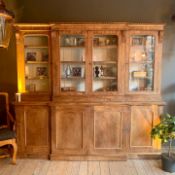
165, 131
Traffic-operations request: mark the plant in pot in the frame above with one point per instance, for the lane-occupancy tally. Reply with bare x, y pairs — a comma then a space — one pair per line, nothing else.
165, 131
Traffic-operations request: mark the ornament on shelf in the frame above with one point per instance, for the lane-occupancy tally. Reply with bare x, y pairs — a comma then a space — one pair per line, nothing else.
68, 71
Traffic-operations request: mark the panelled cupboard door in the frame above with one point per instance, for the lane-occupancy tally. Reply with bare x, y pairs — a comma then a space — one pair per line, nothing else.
143, 64
33, 129
69, 132
110, 127
143, 118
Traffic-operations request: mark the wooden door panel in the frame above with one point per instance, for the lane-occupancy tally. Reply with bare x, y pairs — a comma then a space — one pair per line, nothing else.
141, 125
69, 129
107, 129
36, 126
109, 125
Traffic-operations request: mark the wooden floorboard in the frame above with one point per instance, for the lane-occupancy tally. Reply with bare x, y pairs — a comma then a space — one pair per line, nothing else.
94, 168
104, 167
156, 167
46, 167
83, 170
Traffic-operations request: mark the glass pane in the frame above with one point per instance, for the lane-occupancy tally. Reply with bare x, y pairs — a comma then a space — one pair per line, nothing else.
141, 65
6, 27
72, 54
105, 56
36, 63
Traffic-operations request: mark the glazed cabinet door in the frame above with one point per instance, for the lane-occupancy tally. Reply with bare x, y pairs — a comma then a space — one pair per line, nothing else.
105, 69
33, 130
33, 62
70, 58
143, 118
109, 128
69, 131
143, 63
87, 62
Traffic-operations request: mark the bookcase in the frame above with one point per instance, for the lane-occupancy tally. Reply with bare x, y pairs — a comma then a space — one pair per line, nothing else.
91, 89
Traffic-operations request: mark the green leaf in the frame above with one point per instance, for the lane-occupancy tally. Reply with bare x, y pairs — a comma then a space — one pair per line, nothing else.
165, 130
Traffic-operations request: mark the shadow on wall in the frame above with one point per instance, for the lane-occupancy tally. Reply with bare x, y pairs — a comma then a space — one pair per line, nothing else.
168, 71
169, 41
169, 96
170, 107
8, 75
169, 90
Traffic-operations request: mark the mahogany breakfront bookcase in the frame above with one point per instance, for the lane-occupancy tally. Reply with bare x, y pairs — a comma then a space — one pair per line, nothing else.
89, 90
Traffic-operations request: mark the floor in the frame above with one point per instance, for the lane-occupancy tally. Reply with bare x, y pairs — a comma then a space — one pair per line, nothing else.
46, 167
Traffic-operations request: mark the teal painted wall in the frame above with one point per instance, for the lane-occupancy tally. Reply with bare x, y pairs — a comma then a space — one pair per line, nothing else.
159, 11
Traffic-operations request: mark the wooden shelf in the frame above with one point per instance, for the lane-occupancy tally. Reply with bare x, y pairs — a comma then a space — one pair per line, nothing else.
142, 62
105, 78
106, 46
75, 78
141, 78
73, 47
104, 90
35, 47
37, 62
104, 62
37, 78
73, 62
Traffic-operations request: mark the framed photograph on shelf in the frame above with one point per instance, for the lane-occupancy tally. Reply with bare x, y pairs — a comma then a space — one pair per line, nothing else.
108, 71
41, 72
31, 56
76, 71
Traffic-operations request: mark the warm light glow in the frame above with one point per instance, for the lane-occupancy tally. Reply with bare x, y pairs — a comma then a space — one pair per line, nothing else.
21, 87
20, 65
21, 73
156, 141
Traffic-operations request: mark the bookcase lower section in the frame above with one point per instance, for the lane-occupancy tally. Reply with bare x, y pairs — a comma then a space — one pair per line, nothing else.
86, 132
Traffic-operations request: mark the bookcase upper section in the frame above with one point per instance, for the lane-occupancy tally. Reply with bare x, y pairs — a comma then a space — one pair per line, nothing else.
89, 58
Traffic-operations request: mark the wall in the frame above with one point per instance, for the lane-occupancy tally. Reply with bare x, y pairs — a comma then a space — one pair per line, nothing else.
8, 77
96, 10
159, 11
